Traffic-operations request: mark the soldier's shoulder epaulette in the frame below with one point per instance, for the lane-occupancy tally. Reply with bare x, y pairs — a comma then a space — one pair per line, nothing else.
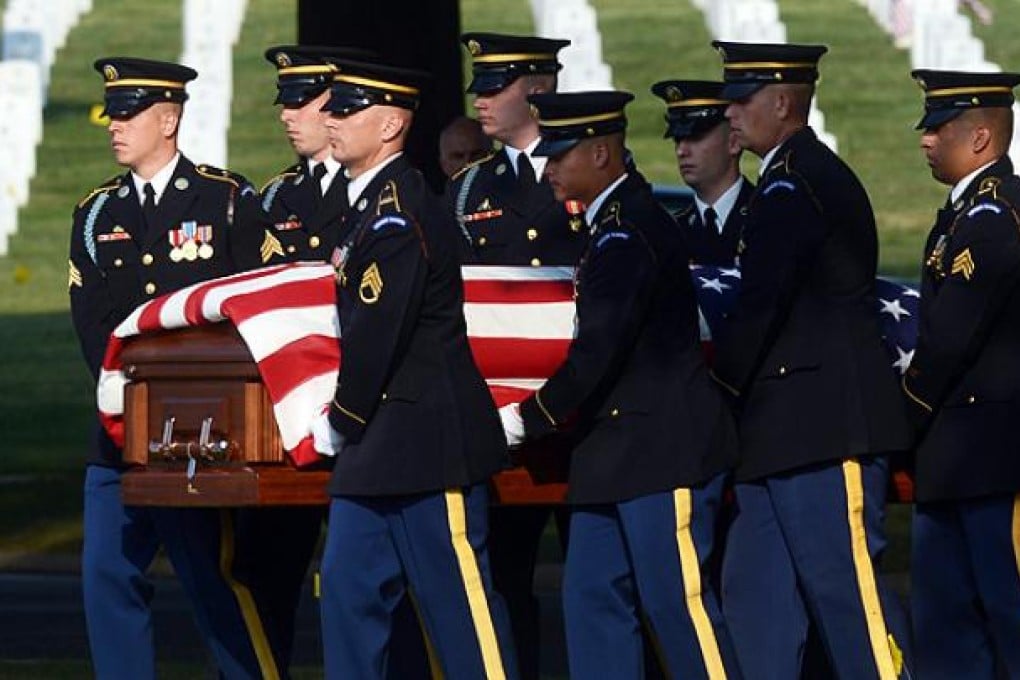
220, 175
283, 176
460, 173
996, 196
105, 187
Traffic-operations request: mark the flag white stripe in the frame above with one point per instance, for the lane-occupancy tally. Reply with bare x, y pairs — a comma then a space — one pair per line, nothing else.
533, 321
294, 413
493, 273
269, 331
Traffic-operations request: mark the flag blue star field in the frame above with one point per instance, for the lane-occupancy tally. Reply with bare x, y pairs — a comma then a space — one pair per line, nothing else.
897, 306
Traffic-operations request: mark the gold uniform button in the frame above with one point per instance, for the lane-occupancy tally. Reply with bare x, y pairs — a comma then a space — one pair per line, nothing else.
535, 262
532, 234
314, 242
482, 240
150, 288
615, 412
291, 249
147, 259
118, 262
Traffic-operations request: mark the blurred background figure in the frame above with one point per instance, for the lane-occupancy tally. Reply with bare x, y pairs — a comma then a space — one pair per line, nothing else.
461, 142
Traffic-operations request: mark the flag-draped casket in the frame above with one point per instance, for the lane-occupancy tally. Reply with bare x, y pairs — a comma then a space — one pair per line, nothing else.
212, 389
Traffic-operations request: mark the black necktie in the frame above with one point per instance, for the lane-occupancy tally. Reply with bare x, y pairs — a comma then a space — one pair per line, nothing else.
149, 206
318, 172
711, 221
525, 171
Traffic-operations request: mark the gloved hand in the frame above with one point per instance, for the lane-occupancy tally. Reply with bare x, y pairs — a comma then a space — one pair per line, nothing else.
513, 424
325, 439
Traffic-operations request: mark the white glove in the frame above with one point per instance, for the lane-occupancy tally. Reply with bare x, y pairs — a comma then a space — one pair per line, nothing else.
513, 424
325, 439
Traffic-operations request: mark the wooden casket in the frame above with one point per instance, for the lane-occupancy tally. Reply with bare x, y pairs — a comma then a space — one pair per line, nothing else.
200, 431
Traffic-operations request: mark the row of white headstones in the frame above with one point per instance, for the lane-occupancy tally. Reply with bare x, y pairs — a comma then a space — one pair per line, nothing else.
584, 67
939, 37
33, 31
32, 34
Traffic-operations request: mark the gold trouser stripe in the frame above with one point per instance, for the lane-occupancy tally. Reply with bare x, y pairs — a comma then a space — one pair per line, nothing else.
877, 633
485, 630
1016, 531
690, 570
435, 668
249, 612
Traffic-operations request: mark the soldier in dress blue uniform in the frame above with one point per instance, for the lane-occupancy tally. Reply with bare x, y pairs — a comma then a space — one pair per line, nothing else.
509, 216
506, 211
163, 225
413, 429
655, 438
708, 157
963, 387
802, 356
305, 203
306, 200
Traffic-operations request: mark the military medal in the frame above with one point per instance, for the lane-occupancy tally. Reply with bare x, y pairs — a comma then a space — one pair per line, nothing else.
176, 238
189, 250
204, 234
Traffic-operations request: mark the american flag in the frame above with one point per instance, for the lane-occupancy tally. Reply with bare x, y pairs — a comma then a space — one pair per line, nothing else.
520, 321
897, 305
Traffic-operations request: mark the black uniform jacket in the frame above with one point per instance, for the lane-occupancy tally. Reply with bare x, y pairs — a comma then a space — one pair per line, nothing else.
304, 222
505, 223
116, 264
650, 418
802, 349
963, 384
415, 412
708, 246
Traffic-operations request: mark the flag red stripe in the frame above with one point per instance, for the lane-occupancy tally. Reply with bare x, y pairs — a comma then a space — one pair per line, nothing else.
518, 358
295, 363
290, 295
518, 292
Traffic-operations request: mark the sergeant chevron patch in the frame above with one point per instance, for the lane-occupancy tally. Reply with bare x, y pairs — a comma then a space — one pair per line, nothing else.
964, 264
270, 246
371, 285
73, 276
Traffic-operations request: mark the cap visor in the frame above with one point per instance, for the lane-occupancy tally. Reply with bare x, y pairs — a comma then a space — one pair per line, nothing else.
736, 92
691, 128
554, 147
932, 119
488, 82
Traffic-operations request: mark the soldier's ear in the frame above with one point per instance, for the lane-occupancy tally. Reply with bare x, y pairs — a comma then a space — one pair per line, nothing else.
394, 123
980, 138
171, 119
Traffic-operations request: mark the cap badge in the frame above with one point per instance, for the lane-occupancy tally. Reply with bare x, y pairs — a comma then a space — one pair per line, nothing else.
534, 111
920, 81
283, 60
110, 73
474, 48
722, 52
673, 94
